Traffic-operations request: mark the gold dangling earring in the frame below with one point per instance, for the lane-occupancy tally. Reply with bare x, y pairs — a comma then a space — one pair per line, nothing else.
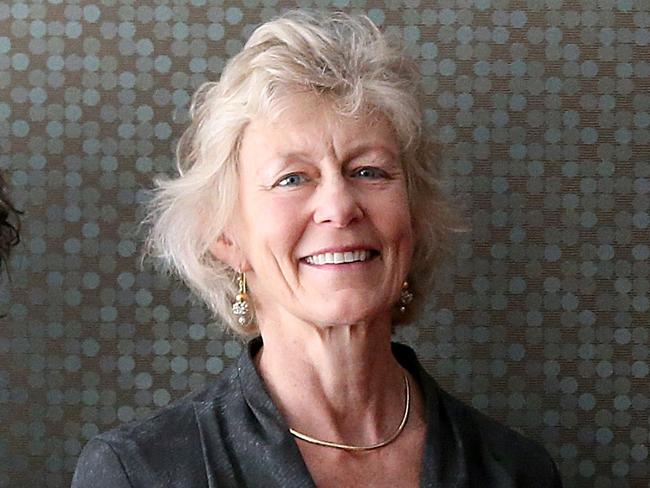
240, 307
405, 297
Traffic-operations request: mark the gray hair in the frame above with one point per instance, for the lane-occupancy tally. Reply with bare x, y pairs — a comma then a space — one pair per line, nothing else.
356, 68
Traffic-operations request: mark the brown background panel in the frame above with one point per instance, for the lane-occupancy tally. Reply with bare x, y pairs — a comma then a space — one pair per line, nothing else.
540, 319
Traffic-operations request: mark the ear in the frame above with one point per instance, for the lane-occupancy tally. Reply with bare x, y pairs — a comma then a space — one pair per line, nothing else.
226, 250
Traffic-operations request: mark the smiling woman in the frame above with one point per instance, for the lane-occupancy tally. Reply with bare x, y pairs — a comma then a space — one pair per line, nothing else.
343, 65
313, 186
307, 214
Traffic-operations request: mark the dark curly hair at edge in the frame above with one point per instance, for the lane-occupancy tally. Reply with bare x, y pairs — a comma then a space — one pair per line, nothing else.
9, 225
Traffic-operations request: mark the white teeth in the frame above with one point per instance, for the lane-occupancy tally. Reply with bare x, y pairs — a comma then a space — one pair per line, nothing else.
338, 257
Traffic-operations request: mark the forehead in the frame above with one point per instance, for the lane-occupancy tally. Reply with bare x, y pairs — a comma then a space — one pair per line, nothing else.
303, 122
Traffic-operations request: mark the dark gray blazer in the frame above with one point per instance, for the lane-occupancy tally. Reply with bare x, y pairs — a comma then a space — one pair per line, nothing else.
232, 435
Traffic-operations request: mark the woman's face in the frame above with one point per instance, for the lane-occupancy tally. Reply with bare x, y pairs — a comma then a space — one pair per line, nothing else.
323, 222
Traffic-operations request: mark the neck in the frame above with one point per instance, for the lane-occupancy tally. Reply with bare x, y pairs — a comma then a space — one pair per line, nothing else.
337, 383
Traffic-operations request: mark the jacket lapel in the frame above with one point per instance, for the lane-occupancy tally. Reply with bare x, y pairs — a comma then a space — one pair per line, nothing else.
245, 441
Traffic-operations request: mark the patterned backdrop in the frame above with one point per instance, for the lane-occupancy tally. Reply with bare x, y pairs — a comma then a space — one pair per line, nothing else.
541, 318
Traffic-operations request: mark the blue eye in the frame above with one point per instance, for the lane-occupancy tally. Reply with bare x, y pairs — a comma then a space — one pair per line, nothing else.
293, 179
370, 172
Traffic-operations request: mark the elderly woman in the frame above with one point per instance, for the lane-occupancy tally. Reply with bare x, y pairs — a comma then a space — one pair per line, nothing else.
307, 215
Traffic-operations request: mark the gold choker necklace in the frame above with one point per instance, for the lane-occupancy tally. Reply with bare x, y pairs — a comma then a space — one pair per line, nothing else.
347, 447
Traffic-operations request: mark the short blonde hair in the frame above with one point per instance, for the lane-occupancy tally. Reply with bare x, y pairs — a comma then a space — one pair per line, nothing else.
345, 59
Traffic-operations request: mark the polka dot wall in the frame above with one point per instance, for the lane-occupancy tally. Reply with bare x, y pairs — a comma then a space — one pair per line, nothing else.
541, 319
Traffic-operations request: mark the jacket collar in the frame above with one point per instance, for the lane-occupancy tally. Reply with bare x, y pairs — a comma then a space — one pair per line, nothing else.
238, 419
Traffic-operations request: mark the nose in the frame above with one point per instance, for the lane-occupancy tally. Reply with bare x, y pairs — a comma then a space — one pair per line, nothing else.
336, 202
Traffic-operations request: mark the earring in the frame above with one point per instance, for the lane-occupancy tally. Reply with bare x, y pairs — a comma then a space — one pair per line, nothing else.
405, 297
240, 308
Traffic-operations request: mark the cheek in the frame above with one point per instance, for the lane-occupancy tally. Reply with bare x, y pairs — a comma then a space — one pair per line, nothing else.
396, 218
273, 229
405, 236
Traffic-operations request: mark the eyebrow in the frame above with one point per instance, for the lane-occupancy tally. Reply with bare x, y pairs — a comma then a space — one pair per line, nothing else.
283, 156
351, 153
364, 148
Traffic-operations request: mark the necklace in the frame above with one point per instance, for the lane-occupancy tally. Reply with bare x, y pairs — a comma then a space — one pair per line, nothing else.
348, 447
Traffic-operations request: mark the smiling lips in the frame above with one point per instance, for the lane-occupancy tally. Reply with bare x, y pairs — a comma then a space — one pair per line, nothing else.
341, 257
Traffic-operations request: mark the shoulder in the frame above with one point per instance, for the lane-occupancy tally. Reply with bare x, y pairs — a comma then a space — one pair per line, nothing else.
153, 451
144, 452
100, 467
467, 444
498, 451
